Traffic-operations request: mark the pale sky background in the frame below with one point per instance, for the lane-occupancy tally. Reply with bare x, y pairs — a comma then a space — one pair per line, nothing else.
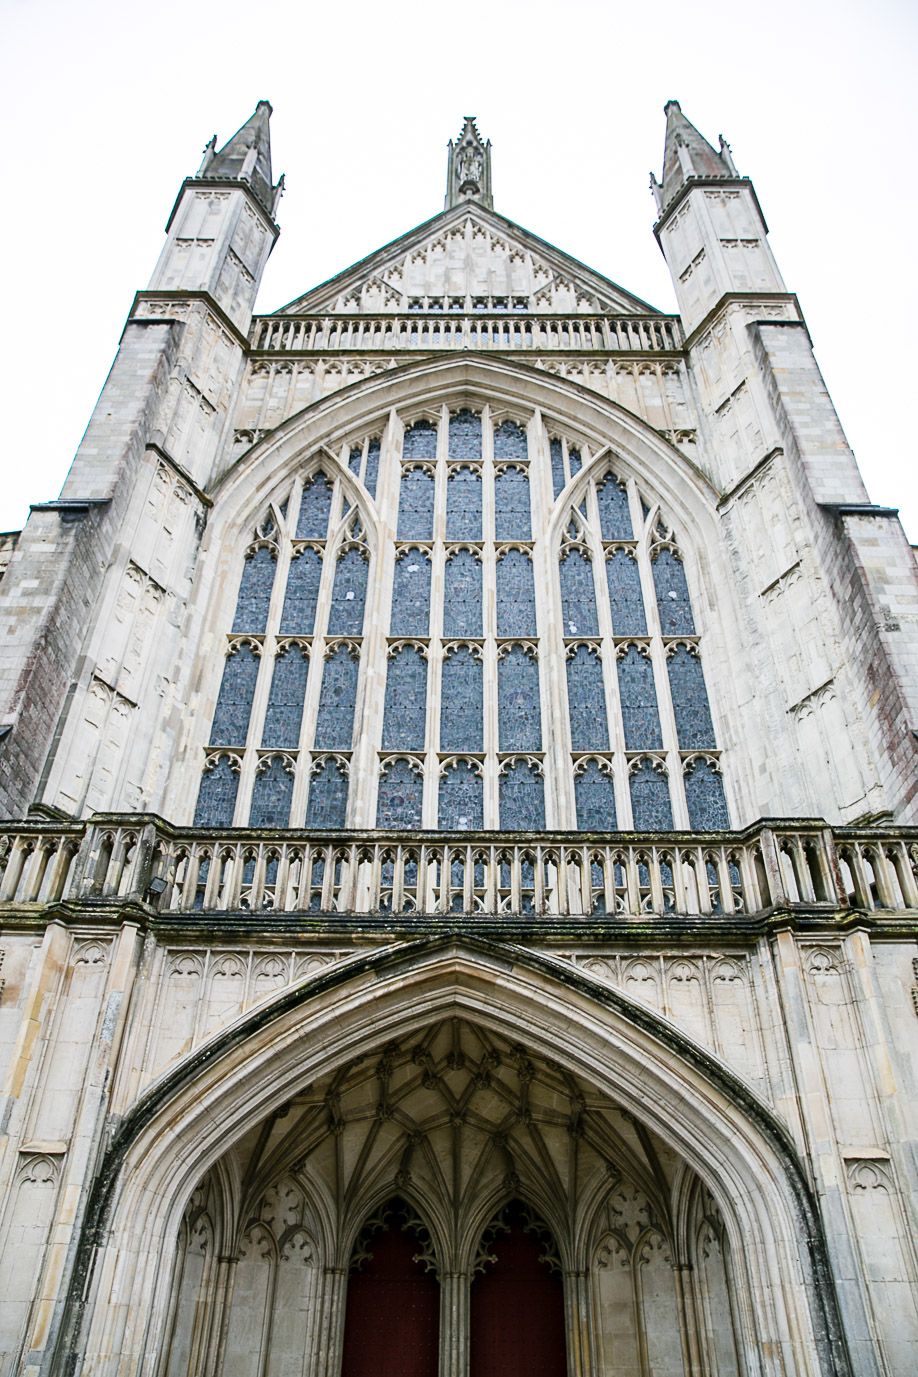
110, 104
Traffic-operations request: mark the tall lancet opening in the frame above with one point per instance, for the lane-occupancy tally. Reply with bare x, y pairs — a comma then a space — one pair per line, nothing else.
468, 176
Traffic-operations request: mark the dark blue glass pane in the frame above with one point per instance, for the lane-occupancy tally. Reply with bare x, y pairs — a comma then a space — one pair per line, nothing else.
650, 803
639, 701
401, 794
522, 798
271, 795
420, 441
557, 466
327, 806
234, 702
594, 790
415, 505
312, 523
461, 798
464, 435
519, 719
627, 602
672, 595
285, 703
512, 519
354, 459
516, 613
462, 702
578, 596
573, 460
510, 441
345, 616
462, 595
411, 594
614, 511
255, 592
463, 505
371, 473
586, 701
335, 721
217, 796
299, 614
405, 713
704, 793
694, 728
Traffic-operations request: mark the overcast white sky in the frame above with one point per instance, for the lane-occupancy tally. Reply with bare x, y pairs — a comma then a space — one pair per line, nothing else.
110, 105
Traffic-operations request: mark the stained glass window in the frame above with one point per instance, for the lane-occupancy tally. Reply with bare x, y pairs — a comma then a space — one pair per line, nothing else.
285, 702
463, 504
371, 472
406, 700
327, 805
512, 520
420, 441
614, 511
510, 441
650, 805
272, 793
345, 616
416, 505
704, 794
464, 435
462, 701
694, 727
461, 803
594, 790
335, 721
639, 700
578, 595
411, 594
217, 793
312, 522
234, 702
462, 595
522, 797
586, 700
255, 592
303, 579
519, 715
672, 595
516, 612
401, 795
557, 466
625, 597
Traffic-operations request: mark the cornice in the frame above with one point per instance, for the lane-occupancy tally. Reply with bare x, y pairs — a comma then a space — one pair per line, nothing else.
221, 184
738, 298
149, 294
702, 183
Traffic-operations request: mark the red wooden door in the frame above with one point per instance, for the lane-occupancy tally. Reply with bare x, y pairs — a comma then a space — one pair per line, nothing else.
517, 1319
392, 1319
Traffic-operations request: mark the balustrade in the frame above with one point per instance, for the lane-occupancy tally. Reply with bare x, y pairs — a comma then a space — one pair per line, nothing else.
581, 333
549, 875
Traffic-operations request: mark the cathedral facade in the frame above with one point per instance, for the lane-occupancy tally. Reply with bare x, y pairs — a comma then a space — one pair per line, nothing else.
459, 867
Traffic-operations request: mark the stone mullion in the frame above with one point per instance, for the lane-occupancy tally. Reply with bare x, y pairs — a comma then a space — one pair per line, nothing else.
661, 680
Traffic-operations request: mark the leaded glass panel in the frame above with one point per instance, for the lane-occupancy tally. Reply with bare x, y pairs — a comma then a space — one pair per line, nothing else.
285, 702
272, 793
694, 728
462, 595
464, 435
315, 507
614, 509
420, 441
255, 591
401, 795
327, 805
463, 504
625, 598
510, 441
411, 594
345, 615
650, 802
522, 797
371, 472
594, 791
512, 519
461, 803
405, 713
416, 505
578, 595
672, 595
519, 715
557, 466
515, 594
586, 700
462, 702
704, 794
301, 596
335, 720
217, 795
639, 701
234, 701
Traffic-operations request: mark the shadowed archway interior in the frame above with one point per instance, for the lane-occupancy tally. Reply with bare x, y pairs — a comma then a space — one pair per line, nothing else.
402, 1208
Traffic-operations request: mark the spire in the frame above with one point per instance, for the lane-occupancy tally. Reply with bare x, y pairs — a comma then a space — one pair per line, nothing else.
246, 157
468, 175
687, 154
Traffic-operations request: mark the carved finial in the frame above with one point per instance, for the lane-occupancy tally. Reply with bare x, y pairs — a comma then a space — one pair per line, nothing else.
209, 152
468, 176
726, 152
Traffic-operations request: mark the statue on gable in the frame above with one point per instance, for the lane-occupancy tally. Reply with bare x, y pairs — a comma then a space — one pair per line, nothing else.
471, 164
